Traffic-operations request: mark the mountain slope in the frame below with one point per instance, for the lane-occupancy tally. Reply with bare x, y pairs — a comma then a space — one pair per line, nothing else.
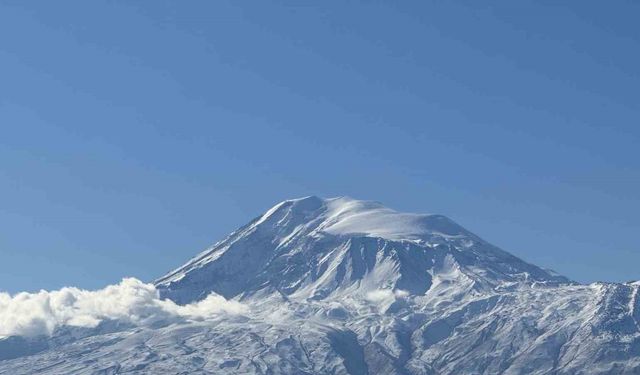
340, 286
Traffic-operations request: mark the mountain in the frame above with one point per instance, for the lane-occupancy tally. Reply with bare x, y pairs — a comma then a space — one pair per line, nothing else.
313, 248
341, 286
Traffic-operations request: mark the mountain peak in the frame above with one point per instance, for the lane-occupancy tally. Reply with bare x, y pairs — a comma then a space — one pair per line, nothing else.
344, 216
314, 247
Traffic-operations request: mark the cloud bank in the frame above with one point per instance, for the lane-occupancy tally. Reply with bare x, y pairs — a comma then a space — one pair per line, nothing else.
131, 301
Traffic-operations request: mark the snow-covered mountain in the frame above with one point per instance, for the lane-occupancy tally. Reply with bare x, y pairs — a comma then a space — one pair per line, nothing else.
312, 248
340, 286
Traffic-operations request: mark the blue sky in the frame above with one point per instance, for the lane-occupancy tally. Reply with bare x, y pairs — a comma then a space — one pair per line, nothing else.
136, 134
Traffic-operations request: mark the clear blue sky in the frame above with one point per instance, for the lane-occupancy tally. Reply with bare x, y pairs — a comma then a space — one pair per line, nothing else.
133, 135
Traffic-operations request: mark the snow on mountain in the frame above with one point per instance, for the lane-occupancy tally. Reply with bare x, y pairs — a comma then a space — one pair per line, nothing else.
316, 247
340, 286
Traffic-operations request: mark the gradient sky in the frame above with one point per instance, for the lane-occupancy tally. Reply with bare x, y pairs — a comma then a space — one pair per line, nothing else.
133, 135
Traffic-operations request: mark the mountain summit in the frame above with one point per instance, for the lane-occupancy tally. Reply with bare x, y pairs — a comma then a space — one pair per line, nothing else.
312, 247
340, 286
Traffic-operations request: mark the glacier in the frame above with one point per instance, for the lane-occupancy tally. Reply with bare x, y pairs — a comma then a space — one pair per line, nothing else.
334, 286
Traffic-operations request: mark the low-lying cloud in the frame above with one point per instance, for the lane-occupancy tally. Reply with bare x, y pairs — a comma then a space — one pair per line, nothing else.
385, 295
131, 301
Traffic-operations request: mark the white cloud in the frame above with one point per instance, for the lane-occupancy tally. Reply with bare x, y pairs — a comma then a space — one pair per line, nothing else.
380, 295
399, 293
131, 301
385, 295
